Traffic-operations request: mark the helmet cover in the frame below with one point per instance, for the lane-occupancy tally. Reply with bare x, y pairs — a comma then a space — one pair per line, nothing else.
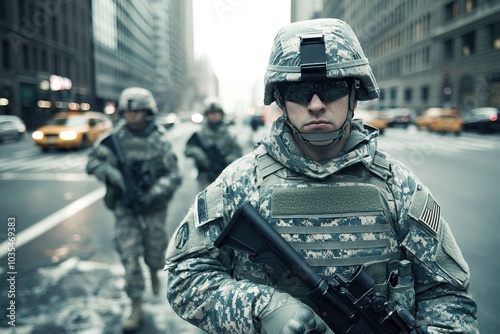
137, 98
344, 57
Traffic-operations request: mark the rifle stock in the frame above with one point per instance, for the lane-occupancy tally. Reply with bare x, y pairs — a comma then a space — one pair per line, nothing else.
348, 306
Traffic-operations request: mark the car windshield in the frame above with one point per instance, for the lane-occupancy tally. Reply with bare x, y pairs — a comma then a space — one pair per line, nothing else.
70, 121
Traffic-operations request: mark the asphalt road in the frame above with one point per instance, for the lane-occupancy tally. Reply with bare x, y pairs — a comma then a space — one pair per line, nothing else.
68, 278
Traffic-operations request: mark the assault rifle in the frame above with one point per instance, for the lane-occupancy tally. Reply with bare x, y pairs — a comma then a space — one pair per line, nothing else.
214, 154
348, 306
133, 193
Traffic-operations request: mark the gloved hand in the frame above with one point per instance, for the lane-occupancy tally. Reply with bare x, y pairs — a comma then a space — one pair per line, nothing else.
201, 160
115, 178
143, 200
287, 315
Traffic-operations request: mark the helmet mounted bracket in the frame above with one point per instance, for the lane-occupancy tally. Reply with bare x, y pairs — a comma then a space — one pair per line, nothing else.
313, 57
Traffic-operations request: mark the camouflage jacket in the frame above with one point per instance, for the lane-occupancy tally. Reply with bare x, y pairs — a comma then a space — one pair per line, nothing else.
202, 288
221, 138
159, 159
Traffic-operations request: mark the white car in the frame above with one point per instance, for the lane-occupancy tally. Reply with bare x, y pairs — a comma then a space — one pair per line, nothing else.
11, 127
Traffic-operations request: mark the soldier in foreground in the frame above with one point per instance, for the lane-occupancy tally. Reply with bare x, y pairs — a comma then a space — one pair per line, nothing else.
319, 180
213, 147
140, 170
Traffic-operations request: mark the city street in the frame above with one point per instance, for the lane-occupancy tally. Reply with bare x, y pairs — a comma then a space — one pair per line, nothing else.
65, 276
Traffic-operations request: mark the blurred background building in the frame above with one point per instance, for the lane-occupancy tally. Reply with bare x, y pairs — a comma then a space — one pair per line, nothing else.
425, 53
79, 55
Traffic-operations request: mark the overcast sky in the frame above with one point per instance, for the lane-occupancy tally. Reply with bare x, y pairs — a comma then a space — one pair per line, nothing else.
237, 36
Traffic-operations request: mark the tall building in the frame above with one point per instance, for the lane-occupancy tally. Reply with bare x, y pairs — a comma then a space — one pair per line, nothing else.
143, 43
305, 9
45, 58
79, 55
428, 52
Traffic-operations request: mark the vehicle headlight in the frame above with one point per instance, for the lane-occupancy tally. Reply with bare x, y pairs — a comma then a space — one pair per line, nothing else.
37, 135
68, 135
197, 118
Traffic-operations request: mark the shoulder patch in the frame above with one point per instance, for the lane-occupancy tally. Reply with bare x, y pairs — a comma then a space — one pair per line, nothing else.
208, 205
426, 210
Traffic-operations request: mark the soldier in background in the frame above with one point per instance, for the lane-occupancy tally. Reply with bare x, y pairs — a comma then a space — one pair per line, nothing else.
213, 148
152, 166
320, 181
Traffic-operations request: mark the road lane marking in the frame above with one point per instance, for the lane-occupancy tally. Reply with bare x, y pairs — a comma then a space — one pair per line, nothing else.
53, 220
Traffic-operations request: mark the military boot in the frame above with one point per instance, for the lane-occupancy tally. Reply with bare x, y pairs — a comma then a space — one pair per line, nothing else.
155, 282
133, 322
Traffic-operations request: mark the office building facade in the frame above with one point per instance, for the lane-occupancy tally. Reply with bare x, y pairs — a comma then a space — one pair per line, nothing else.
428, 53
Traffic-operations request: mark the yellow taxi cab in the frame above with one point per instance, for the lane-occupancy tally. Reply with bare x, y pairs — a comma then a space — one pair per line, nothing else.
440, 120
373, 118
72, 130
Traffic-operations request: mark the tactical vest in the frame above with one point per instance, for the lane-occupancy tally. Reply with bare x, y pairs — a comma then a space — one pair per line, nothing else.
335, 225
139, 155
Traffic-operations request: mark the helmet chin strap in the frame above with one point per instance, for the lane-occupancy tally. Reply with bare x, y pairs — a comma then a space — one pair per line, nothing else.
334, 136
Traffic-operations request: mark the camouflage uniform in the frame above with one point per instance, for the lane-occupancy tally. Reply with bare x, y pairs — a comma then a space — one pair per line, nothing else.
217, 135
361, 207
152, 148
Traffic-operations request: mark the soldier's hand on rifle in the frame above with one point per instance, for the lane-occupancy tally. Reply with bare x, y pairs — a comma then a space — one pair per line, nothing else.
115, 178
143, 200
287, 315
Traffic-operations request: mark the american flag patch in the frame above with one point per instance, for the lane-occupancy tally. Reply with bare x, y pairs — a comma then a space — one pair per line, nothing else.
431, 214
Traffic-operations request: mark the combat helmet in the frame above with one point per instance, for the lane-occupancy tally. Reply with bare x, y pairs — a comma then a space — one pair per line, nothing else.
213, 107
316, 50
137, 98
212, 103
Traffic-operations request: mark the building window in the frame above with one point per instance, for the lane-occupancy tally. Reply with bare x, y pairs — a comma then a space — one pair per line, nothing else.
469, 6
424, 94
26, 57
45, 61
35, 57
57, 66
495, 36
451, 10
5, 54
394, 94
469, 44
408, 95
448, 49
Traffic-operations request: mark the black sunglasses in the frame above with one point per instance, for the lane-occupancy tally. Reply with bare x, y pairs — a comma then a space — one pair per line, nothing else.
302, 92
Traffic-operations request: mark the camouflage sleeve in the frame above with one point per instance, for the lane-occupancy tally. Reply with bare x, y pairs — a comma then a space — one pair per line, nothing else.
441, 274
170, 178
200, 288
100, 158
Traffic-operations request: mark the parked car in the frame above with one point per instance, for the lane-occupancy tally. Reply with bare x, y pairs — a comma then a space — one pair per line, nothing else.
72, 130
373, 118
11, 128
399, 117
440, 120
486, 119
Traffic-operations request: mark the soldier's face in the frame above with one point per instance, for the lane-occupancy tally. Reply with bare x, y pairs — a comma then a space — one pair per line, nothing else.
214, 117
317, 116
135, 118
